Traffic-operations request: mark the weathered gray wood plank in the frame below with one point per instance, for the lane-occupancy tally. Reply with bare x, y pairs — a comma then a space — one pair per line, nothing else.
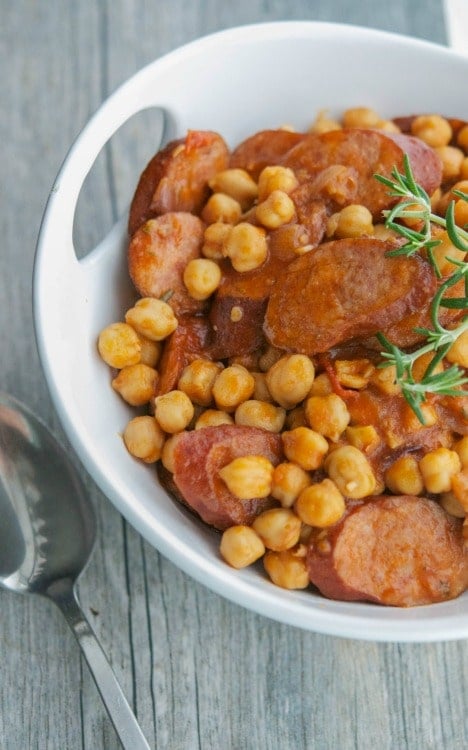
200, 671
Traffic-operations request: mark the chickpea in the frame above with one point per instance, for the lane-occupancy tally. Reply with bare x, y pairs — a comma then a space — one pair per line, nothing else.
446, 250
461, 206
276, 178
324, 124
411, 420
464, 169
421, 364
136, 384
327, 415
248, 477
458, 352
260, 414
237, 313
462, 137
215, 236
278, 528
451, 505
221, 207
287, 569
213, 418
152, 318
197, 380
296, 418
381, 232
321, 386
354, 221
150, 351
362, 436
269, 357
461, 211
238, 184
119, 345
320, 504
461, 448
451, 159
432, 129
304, 447
201, 277
289, 380
437, 469
241, 546
361, 117
144, 438
167, 454
246, 246
388, 126
404, 477
354, 373
173, 411
277, 209
385, 380
350, 470
332, 225
288, 482
232, 386
261, 392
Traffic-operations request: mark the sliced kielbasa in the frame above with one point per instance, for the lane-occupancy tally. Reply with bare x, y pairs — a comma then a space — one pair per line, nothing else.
188, 342
264, 149
401, 551
341, 290
198, 457
360, 154
176, 178
158, 253
404, 332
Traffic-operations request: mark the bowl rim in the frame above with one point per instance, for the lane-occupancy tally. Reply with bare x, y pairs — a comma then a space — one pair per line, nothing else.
234, 587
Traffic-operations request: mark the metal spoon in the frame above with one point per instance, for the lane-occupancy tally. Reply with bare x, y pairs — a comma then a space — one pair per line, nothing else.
47, 530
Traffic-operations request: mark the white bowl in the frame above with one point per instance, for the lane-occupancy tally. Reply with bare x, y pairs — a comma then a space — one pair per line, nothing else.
236, 82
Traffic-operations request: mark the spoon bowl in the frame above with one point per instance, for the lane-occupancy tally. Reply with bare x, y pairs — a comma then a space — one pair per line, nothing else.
47, 533
48, 524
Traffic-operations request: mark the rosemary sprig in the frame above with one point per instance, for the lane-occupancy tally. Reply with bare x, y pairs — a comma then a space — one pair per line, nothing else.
415, 203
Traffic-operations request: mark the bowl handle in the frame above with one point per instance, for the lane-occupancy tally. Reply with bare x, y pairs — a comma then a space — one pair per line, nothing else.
57, 227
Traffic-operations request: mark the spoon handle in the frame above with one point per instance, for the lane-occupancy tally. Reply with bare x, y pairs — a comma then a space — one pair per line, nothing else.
120, 713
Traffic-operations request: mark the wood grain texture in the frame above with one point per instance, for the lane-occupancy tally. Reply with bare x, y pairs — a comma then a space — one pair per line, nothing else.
201, 672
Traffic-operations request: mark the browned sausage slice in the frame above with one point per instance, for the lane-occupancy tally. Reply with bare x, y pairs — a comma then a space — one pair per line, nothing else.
158, 253
236, 326
402, 551
198, 457
425, 162
238, 307
341, 290
361, 153
264, 149
176, 178
188, 342
404, 334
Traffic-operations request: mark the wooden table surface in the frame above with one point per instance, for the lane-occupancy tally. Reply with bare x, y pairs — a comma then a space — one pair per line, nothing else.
200, 672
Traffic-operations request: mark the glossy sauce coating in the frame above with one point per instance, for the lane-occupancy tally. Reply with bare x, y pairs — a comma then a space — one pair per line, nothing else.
344, 289
400, 551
